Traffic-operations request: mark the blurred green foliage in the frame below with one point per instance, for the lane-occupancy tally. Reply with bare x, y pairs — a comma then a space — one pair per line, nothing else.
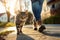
2, 24
52, 20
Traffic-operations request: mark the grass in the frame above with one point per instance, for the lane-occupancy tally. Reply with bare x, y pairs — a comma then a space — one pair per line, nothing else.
2, 24
10, 24
5, 33
7, 24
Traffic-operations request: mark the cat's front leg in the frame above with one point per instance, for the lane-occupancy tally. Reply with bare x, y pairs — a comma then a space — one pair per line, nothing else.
20, 28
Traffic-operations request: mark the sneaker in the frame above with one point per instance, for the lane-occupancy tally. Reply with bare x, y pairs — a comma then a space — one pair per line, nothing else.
35, 28
17, 33
42, 28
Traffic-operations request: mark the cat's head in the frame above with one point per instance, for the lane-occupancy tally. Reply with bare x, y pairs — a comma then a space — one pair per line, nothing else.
23, 15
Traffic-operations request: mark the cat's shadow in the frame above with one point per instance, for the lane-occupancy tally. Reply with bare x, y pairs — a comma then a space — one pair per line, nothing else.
24, 37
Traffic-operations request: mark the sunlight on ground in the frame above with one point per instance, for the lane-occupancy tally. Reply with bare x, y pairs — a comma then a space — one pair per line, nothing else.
11, 28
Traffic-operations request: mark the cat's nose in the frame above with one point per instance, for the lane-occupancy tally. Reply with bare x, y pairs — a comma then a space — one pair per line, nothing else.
23, 17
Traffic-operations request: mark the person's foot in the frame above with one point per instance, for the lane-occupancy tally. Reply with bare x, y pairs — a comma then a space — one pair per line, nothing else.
35, 28
17, 33
42, 28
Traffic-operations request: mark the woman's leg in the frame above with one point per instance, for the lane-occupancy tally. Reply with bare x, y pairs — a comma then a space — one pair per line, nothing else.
35, 25
37, 11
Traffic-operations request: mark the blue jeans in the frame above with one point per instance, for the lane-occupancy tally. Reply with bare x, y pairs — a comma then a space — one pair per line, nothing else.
37, 8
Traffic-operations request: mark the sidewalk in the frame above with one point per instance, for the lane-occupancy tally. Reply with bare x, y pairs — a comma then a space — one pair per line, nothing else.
30, 34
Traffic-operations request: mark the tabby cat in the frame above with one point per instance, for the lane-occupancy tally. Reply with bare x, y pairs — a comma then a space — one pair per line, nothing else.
20, 21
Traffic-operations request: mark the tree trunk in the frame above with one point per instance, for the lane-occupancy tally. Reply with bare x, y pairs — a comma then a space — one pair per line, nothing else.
8, 16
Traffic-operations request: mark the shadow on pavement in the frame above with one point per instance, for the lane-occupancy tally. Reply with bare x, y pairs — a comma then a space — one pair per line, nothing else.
55, 34
24, 37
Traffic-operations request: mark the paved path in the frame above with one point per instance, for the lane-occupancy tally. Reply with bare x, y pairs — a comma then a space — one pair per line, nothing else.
30, 34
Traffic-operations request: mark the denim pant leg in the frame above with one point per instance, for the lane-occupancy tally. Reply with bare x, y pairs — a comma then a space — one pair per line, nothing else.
37, 10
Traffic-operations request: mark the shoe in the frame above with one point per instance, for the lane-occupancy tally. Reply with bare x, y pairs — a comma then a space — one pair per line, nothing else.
17, 33
42, 28
35, 28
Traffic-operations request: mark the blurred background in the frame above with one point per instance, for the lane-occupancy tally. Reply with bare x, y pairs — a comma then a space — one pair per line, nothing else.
9, 9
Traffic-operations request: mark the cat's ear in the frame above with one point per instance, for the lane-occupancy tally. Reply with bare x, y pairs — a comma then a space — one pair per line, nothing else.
26, 11
17, 12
